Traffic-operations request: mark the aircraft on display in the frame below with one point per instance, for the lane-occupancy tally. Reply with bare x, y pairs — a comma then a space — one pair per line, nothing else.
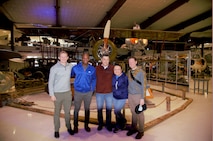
101, 39
135, 40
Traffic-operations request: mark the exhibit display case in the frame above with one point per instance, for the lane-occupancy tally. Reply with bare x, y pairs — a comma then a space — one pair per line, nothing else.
169, 67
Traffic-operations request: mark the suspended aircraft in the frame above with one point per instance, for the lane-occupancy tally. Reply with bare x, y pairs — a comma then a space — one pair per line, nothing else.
101, 38
135, 39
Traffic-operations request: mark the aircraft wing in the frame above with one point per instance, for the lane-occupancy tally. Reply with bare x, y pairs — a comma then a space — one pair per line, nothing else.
6, 54
146, 34
64, 32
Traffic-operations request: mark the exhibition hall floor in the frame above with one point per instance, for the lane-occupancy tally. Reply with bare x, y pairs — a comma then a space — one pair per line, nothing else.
192, 122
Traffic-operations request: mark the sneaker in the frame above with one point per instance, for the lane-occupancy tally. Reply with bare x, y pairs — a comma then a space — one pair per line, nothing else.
99, 127
70, 131
131, 132
139, 135
75, 129
56, 134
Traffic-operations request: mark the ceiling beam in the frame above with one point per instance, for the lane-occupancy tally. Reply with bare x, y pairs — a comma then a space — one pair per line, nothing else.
3, 1
7, 24
203, 29
162, 13
57, 7
111, 12
187, 35
191, 21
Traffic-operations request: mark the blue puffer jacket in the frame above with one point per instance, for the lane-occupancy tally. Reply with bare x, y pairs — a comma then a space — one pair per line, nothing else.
85, 80
120, 86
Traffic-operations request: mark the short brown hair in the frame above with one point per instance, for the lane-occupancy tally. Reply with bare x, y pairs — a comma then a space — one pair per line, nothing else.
61, 52
132, 57
105, 55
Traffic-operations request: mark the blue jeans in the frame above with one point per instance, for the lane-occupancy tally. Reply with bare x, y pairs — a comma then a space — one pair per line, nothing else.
118, 106
100, 98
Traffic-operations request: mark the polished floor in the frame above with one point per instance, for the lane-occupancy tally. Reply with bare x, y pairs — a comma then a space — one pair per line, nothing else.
192, 124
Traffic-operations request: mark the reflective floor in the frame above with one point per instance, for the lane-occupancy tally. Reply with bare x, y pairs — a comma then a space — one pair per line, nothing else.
192, 124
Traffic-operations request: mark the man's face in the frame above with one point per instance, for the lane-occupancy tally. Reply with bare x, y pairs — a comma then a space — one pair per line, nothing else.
132, 63
105, 60
63, 57
85, 59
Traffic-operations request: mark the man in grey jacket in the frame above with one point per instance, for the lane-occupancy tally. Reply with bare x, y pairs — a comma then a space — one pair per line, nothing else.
136, 96
59, 91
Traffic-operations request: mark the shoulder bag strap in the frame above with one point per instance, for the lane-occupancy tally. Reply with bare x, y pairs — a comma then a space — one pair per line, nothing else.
134, 78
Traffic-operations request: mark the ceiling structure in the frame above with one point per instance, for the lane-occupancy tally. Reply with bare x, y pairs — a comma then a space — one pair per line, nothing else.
81, 19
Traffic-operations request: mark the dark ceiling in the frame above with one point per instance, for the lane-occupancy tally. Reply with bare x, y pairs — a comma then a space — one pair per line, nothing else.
80, 19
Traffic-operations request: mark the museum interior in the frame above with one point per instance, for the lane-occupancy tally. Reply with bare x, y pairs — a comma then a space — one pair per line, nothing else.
171, 40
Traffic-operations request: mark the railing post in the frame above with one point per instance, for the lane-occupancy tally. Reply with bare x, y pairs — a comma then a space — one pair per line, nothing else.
163, 85
168, 105
183, 95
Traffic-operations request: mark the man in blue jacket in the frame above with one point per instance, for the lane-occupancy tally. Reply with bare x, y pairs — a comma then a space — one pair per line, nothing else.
84, 85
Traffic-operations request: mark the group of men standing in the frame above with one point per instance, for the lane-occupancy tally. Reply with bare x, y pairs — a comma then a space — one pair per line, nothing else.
111, 87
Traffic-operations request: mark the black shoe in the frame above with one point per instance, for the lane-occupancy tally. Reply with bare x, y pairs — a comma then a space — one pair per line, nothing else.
56, 134
131, 132
139, 135
70, 131
75, 129
122, 126
100, 127
109, 128
115, 130
87, 128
